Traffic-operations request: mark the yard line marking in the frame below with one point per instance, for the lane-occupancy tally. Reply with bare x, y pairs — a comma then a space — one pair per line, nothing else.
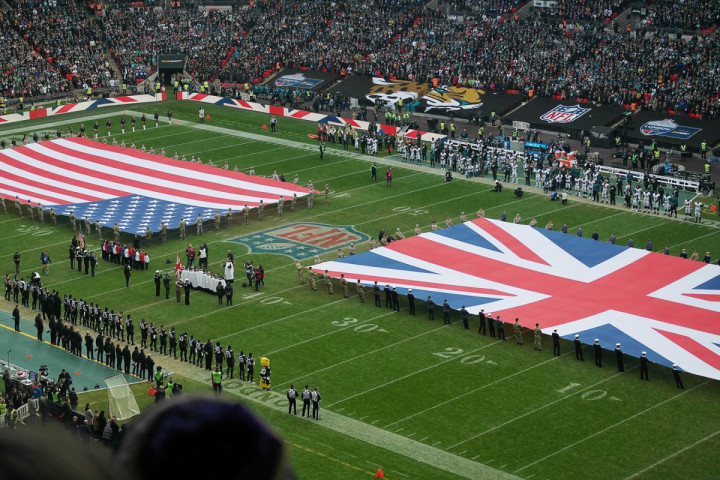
367, 353
407, 376
400, 473
436, 443
410, 435
363, 417
476, 456
503, 465
536, 409
665, 459
460, 453
567, 447
399, 430
477, 389
422, 439
374, 422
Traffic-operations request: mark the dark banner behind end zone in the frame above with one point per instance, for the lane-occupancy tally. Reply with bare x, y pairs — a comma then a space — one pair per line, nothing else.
672, 130
442, 101
303, 79
565, 115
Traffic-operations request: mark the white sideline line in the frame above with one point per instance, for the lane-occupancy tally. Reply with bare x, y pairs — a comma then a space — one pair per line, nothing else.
567, 447
665, 459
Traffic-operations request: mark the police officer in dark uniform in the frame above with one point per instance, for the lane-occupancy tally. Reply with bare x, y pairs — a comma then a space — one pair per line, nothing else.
482, 326
376, 294
395, 300
491, 325
388, 297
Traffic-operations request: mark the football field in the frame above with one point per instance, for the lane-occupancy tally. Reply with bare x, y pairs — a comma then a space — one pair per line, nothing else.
417, 398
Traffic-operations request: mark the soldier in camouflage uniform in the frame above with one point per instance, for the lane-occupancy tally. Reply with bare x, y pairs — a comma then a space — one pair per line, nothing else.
517, 329
217, 219
72, 221
343, 285
360, 291
537, 337
328, 283
311, 277
299, 267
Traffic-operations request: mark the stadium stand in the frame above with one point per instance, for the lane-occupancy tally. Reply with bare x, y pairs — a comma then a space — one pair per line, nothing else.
570, 50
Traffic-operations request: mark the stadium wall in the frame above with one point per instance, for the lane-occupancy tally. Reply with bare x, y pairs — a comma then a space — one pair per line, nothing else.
76, 107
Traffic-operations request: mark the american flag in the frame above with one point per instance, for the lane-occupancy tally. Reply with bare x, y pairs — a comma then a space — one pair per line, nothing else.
667, 306
127, 186
81, 238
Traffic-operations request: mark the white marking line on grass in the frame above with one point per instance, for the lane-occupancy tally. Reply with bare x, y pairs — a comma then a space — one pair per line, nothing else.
364, 354
665, 459
399, 473
407, 376
610, 427
422, 439
477, 389
698, 238
536, 409
476, 456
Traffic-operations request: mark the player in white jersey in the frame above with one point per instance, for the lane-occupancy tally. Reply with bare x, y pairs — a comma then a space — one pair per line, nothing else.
656, 203
688, 208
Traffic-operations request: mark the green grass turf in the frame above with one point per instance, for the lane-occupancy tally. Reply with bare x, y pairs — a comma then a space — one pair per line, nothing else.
389, 379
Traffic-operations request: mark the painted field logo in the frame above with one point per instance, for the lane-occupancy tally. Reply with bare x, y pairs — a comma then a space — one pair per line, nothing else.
298, 80
564, 114
668, 128
302, 240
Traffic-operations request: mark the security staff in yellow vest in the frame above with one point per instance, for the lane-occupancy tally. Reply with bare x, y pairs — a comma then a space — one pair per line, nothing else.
206, 84
452, 129
707, 167
442, 127
493, 117
159, 376
217, 380
406, 118
481, 131
176, 86
683, 152
618, 143
202, 88
186, 87
157, 87
400, 105
124, 88
656, 155
515, 133
703, 149
57, 102
89, 92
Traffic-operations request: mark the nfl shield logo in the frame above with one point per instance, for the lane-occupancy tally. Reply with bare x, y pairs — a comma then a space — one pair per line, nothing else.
564, 114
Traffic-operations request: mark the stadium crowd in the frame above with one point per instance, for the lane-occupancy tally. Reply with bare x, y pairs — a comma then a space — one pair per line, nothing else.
565, 51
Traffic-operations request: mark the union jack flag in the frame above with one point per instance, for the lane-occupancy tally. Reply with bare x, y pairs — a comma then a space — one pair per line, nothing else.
127, 186
667, 306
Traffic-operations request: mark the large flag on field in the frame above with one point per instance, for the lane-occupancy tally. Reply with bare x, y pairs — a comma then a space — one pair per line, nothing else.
127, 186
667, 306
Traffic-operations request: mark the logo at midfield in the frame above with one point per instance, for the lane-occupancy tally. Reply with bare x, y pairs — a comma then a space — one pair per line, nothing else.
297, 80
668, 128
302, 240
564, 114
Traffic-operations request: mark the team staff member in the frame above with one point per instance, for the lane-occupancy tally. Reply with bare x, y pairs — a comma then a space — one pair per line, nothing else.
292, 395
315, 397
306, 394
